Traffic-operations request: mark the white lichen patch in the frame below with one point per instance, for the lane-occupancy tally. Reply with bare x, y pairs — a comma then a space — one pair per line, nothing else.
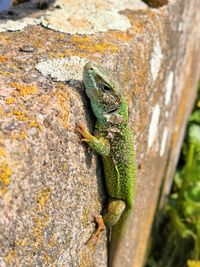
153, 128
64, 69
156, 59
80, 17
169, 87
163, 141
89, 17
16, 25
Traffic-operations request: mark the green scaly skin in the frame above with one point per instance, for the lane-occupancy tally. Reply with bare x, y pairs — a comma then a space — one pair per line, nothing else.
114, 142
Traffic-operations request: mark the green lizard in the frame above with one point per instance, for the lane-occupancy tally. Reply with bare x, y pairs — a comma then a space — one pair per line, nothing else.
114, 142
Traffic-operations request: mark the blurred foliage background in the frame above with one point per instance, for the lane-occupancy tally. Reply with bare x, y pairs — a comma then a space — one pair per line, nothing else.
175, 239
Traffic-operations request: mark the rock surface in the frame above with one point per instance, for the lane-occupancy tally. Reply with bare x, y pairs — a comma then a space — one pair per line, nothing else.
51, 186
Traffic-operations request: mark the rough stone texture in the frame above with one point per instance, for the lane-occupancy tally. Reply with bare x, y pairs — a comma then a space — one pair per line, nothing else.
51, 185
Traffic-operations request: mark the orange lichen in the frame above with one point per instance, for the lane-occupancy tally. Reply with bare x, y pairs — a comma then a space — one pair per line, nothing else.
24, 89
121, 36
99, 47
5, 173
80, 39
88, 45
3, 58
62, 100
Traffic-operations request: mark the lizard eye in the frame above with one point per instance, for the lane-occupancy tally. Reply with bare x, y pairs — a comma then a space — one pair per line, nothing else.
105, 87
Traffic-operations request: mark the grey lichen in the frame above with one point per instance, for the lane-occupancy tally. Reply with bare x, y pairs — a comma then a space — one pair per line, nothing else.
64, 69
89, 17
80, 17
16, 25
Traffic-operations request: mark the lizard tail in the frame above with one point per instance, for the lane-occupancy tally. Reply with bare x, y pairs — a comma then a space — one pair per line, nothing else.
118, 233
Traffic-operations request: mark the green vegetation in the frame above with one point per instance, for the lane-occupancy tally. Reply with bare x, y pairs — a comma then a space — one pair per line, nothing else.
176, 233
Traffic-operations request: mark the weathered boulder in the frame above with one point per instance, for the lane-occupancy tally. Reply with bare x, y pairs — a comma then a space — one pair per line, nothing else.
51, 186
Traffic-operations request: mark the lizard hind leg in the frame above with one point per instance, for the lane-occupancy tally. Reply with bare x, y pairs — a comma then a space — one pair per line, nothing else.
115, 210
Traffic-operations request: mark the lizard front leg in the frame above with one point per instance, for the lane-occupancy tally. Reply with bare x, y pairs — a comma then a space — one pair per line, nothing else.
102, 147
99, 144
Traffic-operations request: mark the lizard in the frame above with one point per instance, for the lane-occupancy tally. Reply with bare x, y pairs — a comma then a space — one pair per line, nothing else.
114, 143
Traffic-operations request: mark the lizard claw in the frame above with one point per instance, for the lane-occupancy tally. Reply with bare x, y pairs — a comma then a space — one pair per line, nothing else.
100, 228
83, 131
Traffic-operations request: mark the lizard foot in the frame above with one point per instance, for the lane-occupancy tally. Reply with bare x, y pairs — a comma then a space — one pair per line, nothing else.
100, 228
83, 131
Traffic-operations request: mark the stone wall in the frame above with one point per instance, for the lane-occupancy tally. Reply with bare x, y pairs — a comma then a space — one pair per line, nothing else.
51, 186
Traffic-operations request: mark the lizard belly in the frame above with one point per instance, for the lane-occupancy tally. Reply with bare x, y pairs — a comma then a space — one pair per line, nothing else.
120, 166
119, 183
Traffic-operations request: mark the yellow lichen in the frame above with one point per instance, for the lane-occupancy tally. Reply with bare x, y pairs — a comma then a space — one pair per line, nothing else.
2, 152
5, 73
10, 100
5, 173
21, 115
18, 135
24, 89
85, 216
38, 229
9, 257
33, 123
36, 239
41, 219
42, 198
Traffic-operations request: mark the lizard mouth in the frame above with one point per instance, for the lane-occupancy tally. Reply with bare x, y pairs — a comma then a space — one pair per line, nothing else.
112, 110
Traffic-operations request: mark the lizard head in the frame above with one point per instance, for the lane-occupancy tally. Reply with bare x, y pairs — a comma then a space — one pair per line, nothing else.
103, 90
